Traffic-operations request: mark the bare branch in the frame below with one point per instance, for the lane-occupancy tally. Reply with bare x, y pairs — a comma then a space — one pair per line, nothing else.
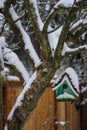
51, 16
65, 30
54, 29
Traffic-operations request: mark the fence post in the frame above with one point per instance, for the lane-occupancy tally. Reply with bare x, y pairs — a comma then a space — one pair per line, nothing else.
11, 90
1, 102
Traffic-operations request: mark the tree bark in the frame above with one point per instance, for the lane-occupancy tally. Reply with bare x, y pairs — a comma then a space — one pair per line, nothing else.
31, 97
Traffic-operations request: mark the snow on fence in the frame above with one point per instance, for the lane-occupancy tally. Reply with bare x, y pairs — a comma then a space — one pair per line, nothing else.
48, 115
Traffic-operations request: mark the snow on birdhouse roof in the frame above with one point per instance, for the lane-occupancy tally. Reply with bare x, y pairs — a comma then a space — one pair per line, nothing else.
73, 77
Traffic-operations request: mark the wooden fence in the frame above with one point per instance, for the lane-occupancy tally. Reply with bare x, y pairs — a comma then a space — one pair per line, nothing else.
48, 112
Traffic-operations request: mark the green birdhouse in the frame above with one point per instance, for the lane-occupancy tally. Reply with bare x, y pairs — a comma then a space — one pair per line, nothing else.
66, 86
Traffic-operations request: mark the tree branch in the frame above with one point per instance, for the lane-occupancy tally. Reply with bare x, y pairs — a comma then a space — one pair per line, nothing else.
51, 16
54, 29
66, 50
65, 30
45, 49
18, 29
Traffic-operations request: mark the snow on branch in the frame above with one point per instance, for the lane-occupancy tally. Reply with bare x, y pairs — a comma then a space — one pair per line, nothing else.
13, 59
26, 38
66, 49
2, 3
10, 77
39, 21
79, 23
66, 3
20, 97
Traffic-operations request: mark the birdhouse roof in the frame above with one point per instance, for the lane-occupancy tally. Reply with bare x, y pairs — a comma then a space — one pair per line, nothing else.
70, 76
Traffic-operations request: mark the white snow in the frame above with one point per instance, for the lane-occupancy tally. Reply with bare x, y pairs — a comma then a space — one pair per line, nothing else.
39, 21
83, 89
73, 76
1, 56
53, 79
26, 38
47, 6
74, 25
67, 49
1, 4
62, 123
84, 102
13, 59
65, 3
79, 22
12, 78
6, 127
84, 35
6, 70
65, 96
54, 38
2, 42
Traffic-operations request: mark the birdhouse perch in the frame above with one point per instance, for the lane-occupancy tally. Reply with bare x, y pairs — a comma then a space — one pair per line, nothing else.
66, 86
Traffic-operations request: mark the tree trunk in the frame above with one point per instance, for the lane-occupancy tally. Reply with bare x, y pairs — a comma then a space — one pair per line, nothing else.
31, 97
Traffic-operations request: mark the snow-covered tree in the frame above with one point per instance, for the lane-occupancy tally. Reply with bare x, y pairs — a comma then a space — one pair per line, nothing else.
44, 32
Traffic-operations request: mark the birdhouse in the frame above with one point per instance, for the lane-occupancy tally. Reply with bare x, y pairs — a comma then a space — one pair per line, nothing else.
66, 86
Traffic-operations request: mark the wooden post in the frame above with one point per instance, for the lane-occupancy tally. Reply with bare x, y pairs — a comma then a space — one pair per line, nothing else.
1, 101
73, 116
11, 90
67, 112
1, 104
61, 112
